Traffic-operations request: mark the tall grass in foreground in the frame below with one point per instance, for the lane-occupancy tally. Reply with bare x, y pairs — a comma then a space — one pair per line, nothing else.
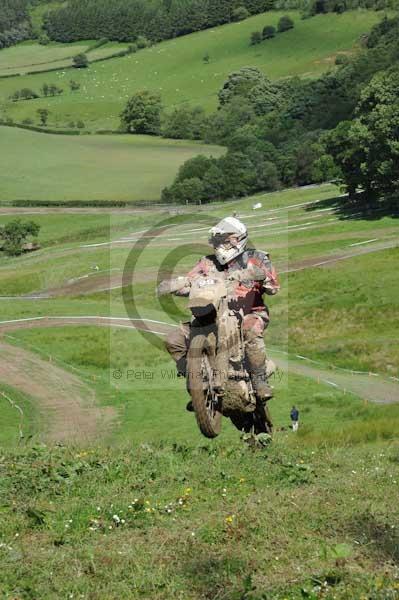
194, 521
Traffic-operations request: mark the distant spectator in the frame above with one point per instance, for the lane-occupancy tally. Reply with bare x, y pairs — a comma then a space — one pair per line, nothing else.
294, 414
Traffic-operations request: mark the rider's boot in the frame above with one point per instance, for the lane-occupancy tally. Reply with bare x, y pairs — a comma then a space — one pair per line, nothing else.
181, 365
259, 380
256, 358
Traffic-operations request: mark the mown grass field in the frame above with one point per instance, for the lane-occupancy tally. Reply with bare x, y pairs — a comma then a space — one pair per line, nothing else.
89, 167
30, 57
176, 69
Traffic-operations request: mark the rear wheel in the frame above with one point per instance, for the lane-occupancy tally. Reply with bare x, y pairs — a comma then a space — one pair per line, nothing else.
206, 402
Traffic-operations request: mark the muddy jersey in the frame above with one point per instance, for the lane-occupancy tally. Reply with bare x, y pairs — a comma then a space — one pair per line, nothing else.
247, 293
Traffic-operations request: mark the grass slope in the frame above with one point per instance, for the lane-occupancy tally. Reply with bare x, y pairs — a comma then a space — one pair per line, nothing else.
14, 425
175, 68
194, 521
89, 167
308, 316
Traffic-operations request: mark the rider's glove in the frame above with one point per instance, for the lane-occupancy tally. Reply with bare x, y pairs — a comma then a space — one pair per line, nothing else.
171, 286
164, 288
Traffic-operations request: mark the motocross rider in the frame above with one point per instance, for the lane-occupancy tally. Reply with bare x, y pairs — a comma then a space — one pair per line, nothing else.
252, 274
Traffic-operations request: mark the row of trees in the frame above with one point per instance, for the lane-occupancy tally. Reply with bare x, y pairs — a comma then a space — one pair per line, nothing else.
14, 22
268, 32
29, 94
47, 90
312, 7
126, 20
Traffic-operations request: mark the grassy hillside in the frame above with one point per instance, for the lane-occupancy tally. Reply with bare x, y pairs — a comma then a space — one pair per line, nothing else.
29, 57
151, 509
314, 304
89, 167
194, 521
176, 68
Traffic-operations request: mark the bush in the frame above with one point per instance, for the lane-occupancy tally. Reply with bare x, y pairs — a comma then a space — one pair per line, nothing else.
341, 59
184, 123
80, 61
27, 122
285, 23
132, 48
80, 125
240, 14
142, 42
256, 38
74, 85
54, 90
43, 114
142, 113
268, 32
14, 235
188, 191
44, 39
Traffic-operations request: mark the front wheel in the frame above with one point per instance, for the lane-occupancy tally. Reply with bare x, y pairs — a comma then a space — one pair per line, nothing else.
206, 402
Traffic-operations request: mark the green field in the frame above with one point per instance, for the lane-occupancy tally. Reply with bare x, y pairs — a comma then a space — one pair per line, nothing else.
30, 57
102, 167
307, 317
176, 69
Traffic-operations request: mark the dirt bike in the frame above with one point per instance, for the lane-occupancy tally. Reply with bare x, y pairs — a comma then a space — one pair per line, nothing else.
218, 380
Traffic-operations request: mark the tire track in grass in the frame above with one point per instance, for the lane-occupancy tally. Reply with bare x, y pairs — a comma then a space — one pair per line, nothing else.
369, 386
68, 405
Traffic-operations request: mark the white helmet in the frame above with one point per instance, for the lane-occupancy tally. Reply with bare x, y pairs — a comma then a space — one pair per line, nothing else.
225, 248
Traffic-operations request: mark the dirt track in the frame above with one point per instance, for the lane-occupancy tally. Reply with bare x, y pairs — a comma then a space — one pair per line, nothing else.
67, 405
371, 388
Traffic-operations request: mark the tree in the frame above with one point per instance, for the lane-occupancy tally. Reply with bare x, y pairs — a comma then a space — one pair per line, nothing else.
14, 235
195, 167
80, 61
24, 94
54, 90
74, 85
367, 149
214, 183
43, 115
220, 125
251, 83
189, 191
184, 123
142, 113
142, 42
240, 14
268, 32
285, 23
44, 39
256, 38
45, 89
